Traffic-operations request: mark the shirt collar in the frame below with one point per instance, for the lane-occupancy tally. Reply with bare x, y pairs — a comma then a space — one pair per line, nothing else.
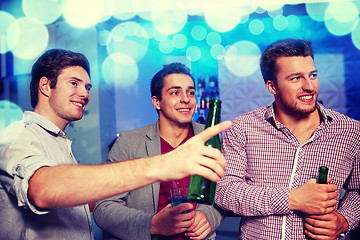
326, 114
44, 123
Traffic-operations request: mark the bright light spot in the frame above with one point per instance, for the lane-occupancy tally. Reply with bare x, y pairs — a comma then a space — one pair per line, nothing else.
158, 36
280, 23
217, 51
26, 38
316, 10
342, 12
222, 20
256, 27
166, 46
79, 16
169, 21
340, 28
355, 36
293, 22
45, 11
272, 6
193, 53
104, 37
129, 38
6, 20
198, 33
179, 41
242, 58
341, 19
213, 38
9, 113
275, 13
120, 69
122, 9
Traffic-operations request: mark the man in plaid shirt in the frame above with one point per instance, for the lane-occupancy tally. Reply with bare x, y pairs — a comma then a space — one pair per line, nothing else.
274, 153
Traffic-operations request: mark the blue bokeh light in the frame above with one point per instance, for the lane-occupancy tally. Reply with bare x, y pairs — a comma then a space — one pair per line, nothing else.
6, 20
213, 38
242, 58
316, 10
217, 51
198, 33
294, 22
256, 27
179, 41
9, 113
120, 69
280, 23
129, 38
19, 34
45, 11
193, 53
166, 46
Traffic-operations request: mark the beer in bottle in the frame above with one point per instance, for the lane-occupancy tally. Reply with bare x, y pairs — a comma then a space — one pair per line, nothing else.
202, 190
322, 178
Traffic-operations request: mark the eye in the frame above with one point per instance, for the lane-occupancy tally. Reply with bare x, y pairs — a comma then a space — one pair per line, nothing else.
74, 83
314, 75
191, 93
175, 93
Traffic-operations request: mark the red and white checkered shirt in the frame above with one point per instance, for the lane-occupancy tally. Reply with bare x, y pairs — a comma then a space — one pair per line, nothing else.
265, 160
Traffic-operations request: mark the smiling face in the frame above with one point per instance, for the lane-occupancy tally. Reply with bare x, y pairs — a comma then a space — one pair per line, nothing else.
178, 102
68, 99
297, 86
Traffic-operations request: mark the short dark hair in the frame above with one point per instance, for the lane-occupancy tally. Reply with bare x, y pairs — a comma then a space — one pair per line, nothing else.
157, 82
50, 65
289, 47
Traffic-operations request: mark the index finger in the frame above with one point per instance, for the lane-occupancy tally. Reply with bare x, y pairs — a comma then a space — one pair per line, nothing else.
212, 131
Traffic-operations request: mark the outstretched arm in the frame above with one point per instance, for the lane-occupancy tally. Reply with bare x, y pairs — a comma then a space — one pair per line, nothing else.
71, 185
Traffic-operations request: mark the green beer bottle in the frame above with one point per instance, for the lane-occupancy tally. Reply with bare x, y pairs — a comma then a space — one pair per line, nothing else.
202, 190
322, 178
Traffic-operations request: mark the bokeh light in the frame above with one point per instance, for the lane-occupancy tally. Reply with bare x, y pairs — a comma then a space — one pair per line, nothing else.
222, 20
79, 16
169, 21
316, 10
280, 23
166, 46
129, 38
198, 33
9, 113
341, 18
45, 11
275, 13
120, 69
294, 22
217, 51
242, 58
193, 53
6, 20
355, 36
104, 37
26, 38
256, 27
179, 41
213, 38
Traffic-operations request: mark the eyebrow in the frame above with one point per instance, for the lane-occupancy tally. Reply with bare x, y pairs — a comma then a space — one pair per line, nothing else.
178, 87
89, 85
299, 73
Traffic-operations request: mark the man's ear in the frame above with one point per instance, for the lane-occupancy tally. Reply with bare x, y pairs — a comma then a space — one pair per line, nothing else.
271, 86
155, 101
44, 86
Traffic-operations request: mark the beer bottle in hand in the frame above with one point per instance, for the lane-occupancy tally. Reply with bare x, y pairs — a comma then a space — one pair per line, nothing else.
322, 178
202, 190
